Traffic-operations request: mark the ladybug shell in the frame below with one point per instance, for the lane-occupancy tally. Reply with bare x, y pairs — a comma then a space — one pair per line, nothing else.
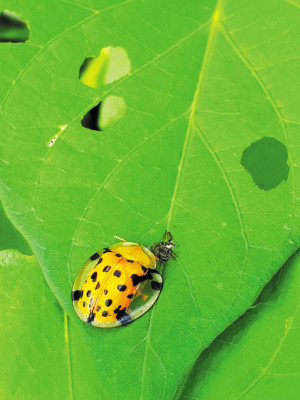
116, 285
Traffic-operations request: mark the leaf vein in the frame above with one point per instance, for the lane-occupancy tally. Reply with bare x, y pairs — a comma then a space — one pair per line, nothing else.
273, 104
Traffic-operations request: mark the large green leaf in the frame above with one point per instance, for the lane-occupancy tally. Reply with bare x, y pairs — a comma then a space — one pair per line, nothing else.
207, 80
259, 356
43, 354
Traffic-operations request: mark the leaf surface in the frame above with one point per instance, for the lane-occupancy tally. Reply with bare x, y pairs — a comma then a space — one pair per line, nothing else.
258, 356
205, 83
43, 351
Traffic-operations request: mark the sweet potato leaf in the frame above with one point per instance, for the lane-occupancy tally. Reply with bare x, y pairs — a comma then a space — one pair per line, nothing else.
42, 351
206, 81
258, 357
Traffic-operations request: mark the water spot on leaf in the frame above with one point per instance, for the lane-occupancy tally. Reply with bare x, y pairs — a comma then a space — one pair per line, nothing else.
104, 114
266, 162
12, 28
111, 64
53, 140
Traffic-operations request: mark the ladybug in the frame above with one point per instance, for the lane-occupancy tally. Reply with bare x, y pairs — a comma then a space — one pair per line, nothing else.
119, 284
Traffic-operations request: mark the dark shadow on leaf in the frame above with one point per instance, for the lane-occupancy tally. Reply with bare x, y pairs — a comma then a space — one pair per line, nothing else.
266, 162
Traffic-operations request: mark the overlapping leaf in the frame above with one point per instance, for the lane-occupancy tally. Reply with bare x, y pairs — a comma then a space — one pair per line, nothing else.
42, 353
258, 356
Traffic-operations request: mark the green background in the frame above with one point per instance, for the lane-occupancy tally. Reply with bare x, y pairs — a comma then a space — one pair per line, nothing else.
207, 80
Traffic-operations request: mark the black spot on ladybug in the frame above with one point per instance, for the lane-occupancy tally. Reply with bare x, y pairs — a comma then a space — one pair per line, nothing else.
118, 255
94, 276
84, 304
98, 308
144, 269
105, 291
76, 295
91, 302
88, 293
156, 285
117, 310
91, 317
136, 279
104, 314
122, 315
97, 286
106, 250
100, 261
117, 273
106, 269
108, 302
131, 261
94, 256
121, 288
130, 296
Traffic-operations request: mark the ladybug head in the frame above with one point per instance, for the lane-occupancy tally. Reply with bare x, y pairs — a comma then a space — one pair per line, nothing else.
163, 251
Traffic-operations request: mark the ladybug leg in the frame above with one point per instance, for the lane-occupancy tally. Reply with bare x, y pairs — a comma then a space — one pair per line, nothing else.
119, 238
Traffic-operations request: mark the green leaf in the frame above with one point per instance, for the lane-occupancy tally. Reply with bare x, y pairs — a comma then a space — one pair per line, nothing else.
10, 237
43, 351
258, 357
206, 82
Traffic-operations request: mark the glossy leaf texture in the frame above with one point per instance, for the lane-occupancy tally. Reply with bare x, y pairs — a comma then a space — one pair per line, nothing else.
42, 350
206, 82
258, 357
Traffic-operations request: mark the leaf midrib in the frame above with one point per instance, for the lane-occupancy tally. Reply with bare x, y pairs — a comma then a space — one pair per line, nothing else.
206, 58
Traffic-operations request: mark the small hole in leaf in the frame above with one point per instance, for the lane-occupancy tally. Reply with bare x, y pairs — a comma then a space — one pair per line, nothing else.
104, 114
12, 28
266, 162
111, 64
85, 65
91, 119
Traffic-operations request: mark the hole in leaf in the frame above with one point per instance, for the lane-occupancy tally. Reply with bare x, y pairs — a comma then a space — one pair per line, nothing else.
12, 28
266, 162
91, 119
113, 108
111, 64
104, 114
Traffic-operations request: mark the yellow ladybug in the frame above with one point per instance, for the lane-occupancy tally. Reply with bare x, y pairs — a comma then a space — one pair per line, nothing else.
119, 284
